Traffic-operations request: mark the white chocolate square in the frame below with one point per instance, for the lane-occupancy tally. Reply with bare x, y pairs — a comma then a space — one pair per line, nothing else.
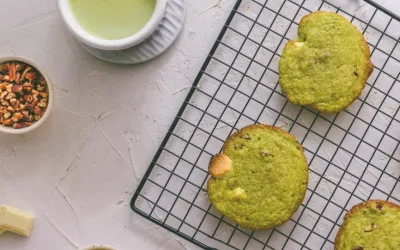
15, 220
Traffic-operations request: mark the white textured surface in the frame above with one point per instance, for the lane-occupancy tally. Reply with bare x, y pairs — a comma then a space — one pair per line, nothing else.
77, 173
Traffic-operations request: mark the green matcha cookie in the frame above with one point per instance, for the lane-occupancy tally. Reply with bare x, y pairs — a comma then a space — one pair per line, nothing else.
372, 225
260, 178
327, 66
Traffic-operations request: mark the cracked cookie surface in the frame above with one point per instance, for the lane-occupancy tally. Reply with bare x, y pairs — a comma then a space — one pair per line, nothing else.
370, 225
260, 178
327, 66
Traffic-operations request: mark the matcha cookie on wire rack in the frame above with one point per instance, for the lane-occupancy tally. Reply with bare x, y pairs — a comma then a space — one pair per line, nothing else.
370, 225
327, 66
260, 178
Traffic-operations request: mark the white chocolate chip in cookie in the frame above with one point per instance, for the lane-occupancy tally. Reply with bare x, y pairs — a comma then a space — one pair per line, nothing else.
370, 228
298, 44
220, 165
239, 193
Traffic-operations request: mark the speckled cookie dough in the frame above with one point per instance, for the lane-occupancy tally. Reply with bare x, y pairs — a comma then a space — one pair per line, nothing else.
327, 66
260, 178
370, 225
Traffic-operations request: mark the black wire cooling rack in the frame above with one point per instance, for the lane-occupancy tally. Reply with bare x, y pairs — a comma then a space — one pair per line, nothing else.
353, 155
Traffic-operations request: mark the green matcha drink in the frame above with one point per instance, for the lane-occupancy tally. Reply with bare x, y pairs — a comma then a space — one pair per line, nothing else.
112, 19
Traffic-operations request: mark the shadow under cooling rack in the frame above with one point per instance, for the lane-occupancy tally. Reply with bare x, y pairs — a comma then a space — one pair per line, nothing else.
353, 155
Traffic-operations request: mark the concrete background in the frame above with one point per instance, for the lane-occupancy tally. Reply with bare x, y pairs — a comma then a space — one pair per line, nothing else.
78, 172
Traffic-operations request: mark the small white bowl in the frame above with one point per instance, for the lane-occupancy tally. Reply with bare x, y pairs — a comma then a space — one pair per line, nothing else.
93, 41
36, 124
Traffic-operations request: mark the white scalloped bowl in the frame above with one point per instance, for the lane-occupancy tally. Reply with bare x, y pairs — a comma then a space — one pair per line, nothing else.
36, 124
96, 42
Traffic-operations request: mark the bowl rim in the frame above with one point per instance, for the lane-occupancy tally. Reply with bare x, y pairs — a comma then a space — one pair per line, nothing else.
36, 124
119, 44
93, 247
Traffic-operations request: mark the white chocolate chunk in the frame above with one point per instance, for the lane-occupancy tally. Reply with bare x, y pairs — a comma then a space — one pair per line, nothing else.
220, 165
15, 220
298, 44
239, 193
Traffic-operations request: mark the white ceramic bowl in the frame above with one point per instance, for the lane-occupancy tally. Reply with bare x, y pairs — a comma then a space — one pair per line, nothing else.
93, 41
11, 130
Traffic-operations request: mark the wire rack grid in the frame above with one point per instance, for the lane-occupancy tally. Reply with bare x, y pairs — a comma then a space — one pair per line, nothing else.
353, 155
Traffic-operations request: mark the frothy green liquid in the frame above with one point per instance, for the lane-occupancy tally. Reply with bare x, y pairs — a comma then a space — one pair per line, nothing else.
112, 19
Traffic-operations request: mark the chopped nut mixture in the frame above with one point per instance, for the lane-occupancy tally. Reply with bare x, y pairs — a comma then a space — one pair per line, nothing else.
23, 95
